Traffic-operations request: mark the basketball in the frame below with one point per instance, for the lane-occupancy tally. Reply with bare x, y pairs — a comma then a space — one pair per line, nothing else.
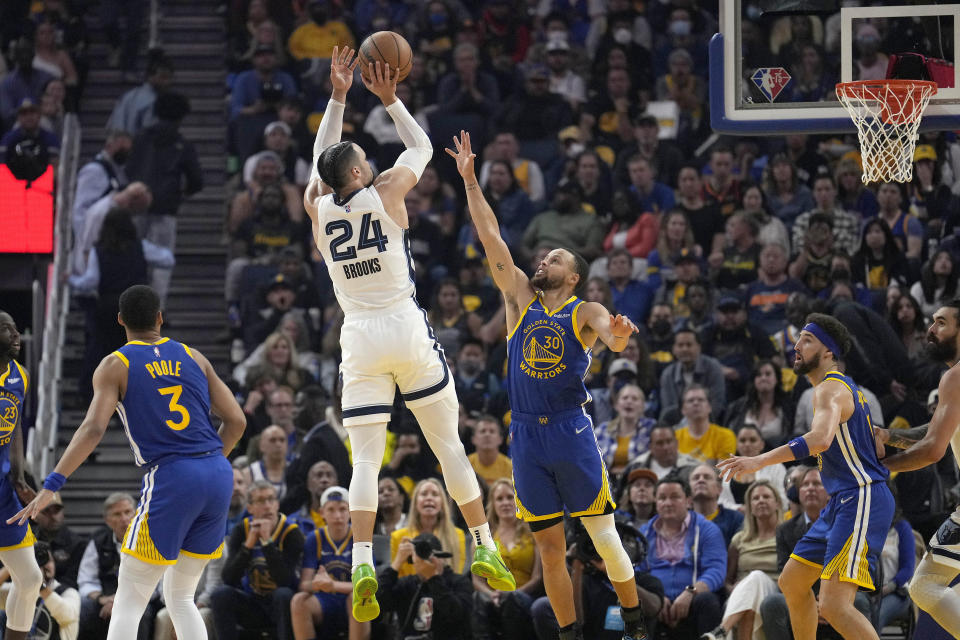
388, 48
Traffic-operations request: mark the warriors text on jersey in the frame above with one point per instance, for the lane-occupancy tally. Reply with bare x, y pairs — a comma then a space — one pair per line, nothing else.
548, 360
851, 461
166, 407
365, 251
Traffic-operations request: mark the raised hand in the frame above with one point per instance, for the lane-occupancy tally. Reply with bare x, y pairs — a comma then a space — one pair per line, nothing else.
380, 83
342, 65
464, 155
621, 327
38, 504
735, 466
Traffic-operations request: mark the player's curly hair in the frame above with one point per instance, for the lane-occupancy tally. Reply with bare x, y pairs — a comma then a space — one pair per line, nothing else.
835, 330
334, 163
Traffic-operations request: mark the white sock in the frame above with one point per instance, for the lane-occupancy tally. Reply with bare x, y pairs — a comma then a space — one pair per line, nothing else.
481, 535
362, 553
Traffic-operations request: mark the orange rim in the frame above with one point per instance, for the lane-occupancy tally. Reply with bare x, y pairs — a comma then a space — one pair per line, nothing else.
865, 88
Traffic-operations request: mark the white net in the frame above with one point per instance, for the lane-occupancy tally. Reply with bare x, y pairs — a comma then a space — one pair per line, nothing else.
887, 114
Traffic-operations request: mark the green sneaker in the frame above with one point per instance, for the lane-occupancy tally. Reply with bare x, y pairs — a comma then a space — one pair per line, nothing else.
365, 606
489, 565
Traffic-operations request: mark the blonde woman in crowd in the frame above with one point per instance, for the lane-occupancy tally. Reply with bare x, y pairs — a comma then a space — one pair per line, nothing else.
751, 564
510, 611
430, 513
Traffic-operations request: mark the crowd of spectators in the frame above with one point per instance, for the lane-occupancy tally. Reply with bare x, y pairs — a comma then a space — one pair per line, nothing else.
717, 257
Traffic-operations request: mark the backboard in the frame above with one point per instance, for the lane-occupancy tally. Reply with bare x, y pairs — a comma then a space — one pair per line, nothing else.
774, 64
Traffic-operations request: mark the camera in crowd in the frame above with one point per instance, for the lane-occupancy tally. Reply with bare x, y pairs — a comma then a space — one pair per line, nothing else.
426, 545
271, 91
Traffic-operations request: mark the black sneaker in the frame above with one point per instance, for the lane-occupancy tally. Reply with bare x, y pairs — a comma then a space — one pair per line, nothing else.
639, 632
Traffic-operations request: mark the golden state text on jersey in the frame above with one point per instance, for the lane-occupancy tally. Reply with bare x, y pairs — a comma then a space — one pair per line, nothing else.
549, 359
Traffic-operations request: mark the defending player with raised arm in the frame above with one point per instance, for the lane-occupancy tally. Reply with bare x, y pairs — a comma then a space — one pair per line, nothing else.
16, 539
556, 460
163, 392
518, 288
930, 586
842, 548
360, 227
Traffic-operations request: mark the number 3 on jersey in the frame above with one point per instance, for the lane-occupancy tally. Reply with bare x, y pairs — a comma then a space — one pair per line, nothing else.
175, 407
367, 240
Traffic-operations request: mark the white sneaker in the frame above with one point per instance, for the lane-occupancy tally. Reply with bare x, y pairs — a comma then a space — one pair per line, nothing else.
717, 634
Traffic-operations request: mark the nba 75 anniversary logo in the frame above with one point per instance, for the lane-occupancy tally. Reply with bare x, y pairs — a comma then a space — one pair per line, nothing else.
771, 81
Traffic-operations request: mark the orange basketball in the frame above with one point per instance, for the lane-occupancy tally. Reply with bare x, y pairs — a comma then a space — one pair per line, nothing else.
388, 48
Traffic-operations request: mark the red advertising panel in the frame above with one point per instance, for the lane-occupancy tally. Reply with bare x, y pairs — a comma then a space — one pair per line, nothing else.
26, 215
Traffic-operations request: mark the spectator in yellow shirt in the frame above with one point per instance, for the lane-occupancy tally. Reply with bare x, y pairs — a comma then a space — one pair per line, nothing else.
508, 611
316, 38
701, 438
487, 460
430, 513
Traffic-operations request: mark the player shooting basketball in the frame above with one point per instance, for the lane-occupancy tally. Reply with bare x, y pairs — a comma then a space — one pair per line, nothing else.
360, 227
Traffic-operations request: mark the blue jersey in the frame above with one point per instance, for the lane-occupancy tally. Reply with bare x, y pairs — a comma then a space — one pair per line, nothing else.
851, 461
548, 360
336, 557
13, 389
166, 408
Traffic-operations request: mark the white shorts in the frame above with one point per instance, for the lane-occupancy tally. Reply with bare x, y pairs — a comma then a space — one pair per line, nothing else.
386, 349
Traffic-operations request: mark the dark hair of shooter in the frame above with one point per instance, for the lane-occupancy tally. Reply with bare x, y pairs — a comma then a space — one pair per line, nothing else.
334, 163
138, 307
835, 330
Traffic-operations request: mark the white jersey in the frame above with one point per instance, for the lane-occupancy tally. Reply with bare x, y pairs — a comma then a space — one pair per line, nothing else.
365, 250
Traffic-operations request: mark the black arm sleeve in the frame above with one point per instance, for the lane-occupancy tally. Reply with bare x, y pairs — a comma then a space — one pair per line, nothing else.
238, 558
282, 565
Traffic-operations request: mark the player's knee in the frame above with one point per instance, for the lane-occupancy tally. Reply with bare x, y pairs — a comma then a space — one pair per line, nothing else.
925, 590
833, 608
30, 579
610, 548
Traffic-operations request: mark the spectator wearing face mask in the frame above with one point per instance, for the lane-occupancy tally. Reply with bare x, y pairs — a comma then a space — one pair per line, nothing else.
568, 224
475, 385
317, 37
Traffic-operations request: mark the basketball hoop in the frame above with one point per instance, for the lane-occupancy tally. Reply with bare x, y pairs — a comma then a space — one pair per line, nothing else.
887, 114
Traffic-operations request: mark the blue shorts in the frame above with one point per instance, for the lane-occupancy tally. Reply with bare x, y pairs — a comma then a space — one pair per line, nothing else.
12, 536
183, 509
849, 535
334, 607
557, 465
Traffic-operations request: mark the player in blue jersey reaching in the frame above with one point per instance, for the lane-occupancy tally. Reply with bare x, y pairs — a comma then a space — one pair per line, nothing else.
557, 463
16, 539
843, 546
163, 392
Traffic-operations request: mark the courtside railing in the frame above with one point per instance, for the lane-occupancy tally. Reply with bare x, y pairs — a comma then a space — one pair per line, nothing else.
42, 441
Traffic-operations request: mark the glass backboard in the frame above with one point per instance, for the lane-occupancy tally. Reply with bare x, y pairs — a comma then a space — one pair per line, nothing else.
775, 63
